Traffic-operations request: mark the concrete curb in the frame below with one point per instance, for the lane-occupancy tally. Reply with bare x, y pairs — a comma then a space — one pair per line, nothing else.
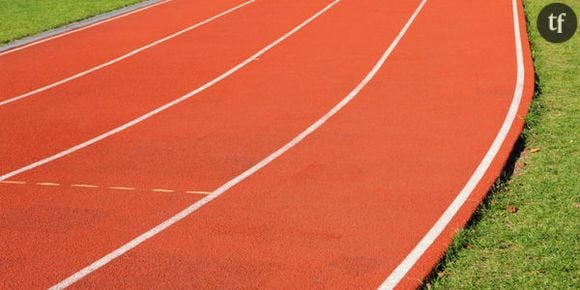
76, 25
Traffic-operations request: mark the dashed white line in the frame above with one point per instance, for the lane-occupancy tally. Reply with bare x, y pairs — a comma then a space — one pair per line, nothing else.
122, 188
48, 184
198, 192
12, 182
82, 185
162, 190
86, 185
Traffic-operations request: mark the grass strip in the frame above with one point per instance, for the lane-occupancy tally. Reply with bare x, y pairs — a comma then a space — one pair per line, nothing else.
21, 18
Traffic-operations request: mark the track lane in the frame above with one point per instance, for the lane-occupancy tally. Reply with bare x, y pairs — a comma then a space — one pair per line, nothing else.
34, 67
424, 265
209, 139
87, 107
310, 200
344, 207
124, 56
44, 229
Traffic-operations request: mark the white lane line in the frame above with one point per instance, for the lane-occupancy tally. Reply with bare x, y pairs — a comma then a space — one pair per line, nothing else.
162, 190
121, 188
198, 192
395, 277
13, 182
125, 56
166, 106
48, 184
81, 28
218, 192
83, 185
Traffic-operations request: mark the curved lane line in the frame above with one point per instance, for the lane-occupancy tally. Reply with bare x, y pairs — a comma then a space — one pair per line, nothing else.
166, 106
402, 269
125, 56
225, 187
11, 50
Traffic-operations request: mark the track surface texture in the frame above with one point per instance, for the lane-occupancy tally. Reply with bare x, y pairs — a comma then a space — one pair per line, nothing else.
283, 144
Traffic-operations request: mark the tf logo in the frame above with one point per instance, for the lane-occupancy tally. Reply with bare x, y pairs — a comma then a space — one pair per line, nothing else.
557, 22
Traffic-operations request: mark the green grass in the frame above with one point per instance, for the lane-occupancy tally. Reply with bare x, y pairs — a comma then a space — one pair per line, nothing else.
21, 18
537, 247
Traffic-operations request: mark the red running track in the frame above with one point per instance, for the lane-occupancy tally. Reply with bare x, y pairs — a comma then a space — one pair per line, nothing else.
368, 196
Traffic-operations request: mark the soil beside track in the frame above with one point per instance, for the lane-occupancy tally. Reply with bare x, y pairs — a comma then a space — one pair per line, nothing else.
341, 209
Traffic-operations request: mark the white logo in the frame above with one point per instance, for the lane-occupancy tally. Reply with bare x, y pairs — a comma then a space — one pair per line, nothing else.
559, 20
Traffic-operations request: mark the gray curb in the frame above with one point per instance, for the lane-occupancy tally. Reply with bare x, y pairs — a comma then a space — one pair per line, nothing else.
76, 25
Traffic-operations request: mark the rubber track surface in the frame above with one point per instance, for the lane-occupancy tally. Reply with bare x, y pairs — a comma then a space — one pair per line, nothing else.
342, 209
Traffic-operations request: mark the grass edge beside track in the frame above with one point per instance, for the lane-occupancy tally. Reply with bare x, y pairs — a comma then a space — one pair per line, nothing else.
501, 247
24, 18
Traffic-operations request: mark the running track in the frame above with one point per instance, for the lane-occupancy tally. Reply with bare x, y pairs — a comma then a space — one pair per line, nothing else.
270, 144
